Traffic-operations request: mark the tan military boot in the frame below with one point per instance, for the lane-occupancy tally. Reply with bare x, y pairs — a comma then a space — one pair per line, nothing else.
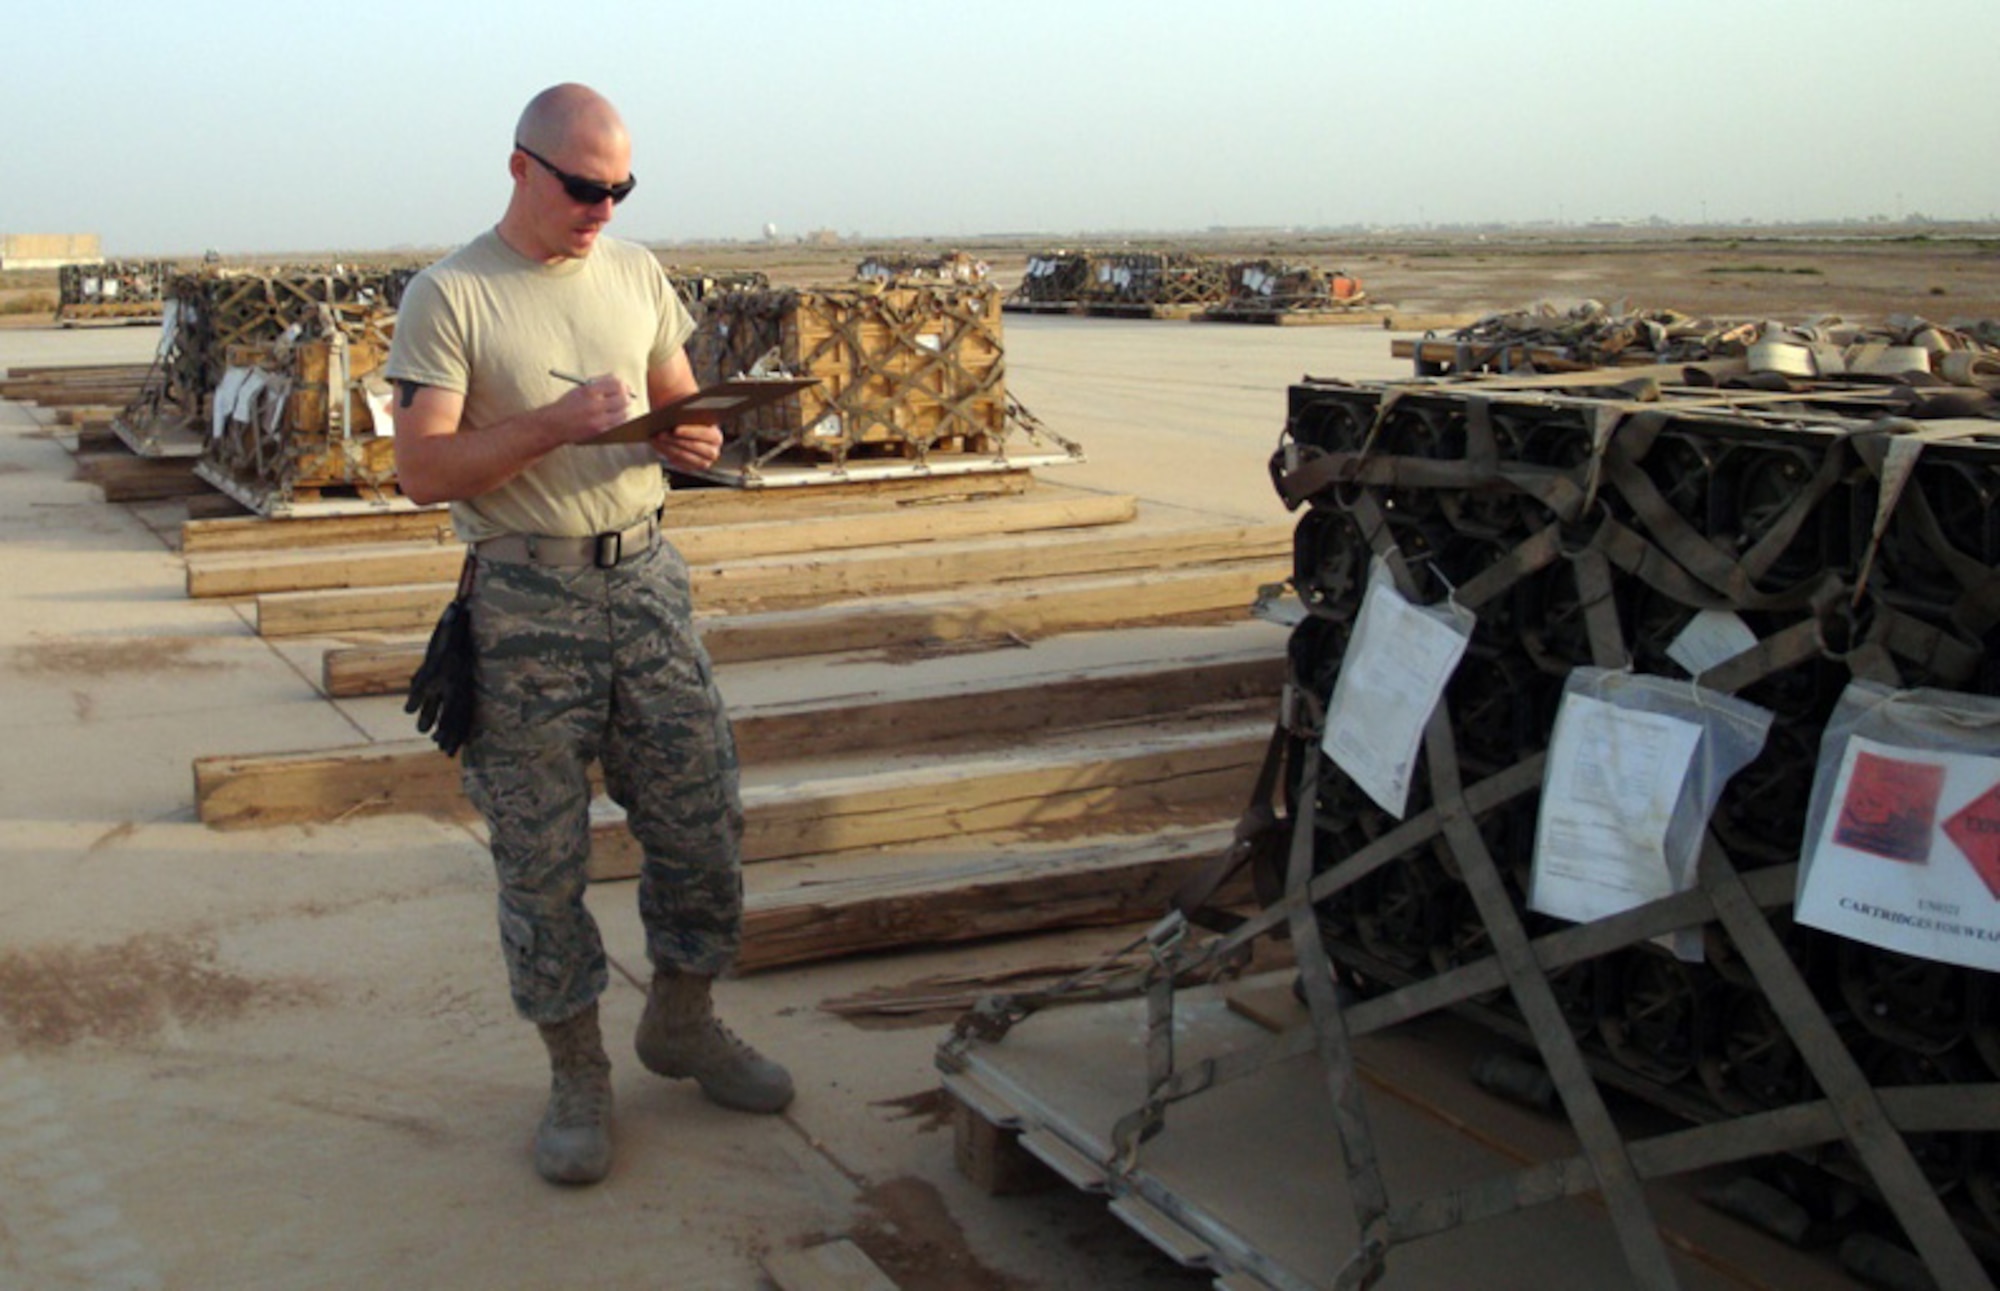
680, 1037
573, 1142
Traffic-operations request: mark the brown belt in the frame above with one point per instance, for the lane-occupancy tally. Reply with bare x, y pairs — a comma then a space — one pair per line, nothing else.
602, 550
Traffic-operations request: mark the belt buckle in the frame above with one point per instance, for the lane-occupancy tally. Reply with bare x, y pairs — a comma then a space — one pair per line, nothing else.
612, 543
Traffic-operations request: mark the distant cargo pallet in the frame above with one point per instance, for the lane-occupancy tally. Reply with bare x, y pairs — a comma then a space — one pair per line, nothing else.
1114, 309
101, 316
1337, 316
1434, 356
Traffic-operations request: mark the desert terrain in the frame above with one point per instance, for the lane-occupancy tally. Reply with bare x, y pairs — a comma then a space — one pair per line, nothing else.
1945, 273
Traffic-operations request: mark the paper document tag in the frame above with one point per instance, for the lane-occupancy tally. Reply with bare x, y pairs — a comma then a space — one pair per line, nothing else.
1908, 857
1396, 668
1711, 638
1614, 775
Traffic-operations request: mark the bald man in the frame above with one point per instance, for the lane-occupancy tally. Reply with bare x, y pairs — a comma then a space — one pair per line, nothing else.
580, 614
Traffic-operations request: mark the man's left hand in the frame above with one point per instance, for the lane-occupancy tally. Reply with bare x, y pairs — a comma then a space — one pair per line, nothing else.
689, 446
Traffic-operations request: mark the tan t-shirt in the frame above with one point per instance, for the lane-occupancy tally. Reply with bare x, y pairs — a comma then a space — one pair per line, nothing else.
488, 323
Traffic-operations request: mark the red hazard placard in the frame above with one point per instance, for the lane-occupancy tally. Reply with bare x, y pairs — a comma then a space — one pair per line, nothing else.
1976, 830
1891, 804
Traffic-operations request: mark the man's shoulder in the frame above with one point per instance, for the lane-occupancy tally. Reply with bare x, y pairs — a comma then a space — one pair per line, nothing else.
473, 260
625, 257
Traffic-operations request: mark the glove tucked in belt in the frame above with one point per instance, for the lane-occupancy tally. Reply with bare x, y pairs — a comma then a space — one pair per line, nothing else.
441, 690
603, 550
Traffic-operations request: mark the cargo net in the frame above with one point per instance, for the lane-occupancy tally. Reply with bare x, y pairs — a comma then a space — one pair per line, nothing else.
1051, 279
952, 266
305, 418
907, 372
1517, 602
1276, 287
694, 286
114, 289
207, 312
1154, 280
1136, 282
1575, 337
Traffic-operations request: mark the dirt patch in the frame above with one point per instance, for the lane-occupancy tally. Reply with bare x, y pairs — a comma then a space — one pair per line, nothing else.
123, 993
12, 468
79, 656
916, 1242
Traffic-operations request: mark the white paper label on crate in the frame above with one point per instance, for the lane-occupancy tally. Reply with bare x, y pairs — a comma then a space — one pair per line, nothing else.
277, 389
1608, 795
1395, 669
1711, 638
170, 319
1908, 856
379, 412
223, 406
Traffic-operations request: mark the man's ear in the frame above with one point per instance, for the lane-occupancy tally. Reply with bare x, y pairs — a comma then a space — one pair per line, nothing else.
517, 165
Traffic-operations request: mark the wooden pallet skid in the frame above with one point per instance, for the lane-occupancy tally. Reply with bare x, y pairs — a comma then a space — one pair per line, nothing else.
686, 507
412, 775
1196, 777
778, 583
252, 574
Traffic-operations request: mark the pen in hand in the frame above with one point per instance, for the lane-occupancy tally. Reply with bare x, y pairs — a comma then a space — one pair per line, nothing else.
570, 377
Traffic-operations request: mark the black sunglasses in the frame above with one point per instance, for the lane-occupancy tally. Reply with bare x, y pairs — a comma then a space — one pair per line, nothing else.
586, 192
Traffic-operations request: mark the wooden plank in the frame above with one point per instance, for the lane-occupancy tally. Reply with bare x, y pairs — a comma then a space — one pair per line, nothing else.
254, 573
684, 507
98, 438
1197, 778
50, 395
999, 615
125, 478
87, 415
748, 586
127, 371
838, 1265
991, 1157
411, 775
806, 912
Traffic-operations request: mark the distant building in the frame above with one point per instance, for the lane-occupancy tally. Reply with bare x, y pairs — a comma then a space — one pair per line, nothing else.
49, 250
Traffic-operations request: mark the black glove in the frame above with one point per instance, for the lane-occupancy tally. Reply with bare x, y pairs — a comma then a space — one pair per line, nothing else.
441, 688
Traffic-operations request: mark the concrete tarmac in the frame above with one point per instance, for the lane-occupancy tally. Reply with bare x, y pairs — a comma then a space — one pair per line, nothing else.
285, 1058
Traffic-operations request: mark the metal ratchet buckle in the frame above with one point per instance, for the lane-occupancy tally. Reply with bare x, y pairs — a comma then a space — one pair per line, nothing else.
1165, 936
614, 543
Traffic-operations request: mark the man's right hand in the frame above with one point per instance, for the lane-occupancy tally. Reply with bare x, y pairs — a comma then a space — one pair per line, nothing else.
592, 408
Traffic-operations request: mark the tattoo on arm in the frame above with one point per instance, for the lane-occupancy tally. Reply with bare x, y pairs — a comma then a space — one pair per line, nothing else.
407, 392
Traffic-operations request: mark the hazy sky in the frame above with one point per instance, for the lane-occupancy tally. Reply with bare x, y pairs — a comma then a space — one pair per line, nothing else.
177, 125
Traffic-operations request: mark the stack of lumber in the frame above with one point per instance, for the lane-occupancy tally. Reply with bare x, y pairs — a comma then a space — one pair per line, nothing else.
952, 794
109, 385
89, 399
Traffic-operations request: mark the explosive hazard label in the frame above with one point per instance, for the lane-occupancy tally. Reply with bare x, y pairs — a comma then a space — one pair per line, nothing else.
1976, 831
1908, 854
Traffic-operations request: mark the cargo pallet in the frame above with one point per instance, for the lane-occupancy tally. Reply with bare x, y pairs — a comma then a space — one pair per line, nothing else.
1539, 504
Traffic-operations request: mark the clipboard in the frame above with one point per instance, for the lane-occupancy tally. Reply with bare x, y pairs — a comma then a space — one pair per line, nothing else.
718, 402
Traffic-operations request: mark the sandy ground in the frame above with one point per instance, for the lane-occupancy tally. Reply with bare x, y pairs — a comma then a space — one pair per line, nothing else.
285, 1058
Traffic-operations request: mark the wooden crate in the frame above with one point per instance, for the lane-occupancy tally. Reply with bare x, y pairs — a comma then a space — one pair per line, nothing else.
906, 369
313, 430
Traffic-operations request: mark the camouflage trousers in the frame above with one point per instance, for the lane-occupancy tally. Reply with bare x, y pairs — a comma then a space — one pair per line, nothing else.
578, 665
